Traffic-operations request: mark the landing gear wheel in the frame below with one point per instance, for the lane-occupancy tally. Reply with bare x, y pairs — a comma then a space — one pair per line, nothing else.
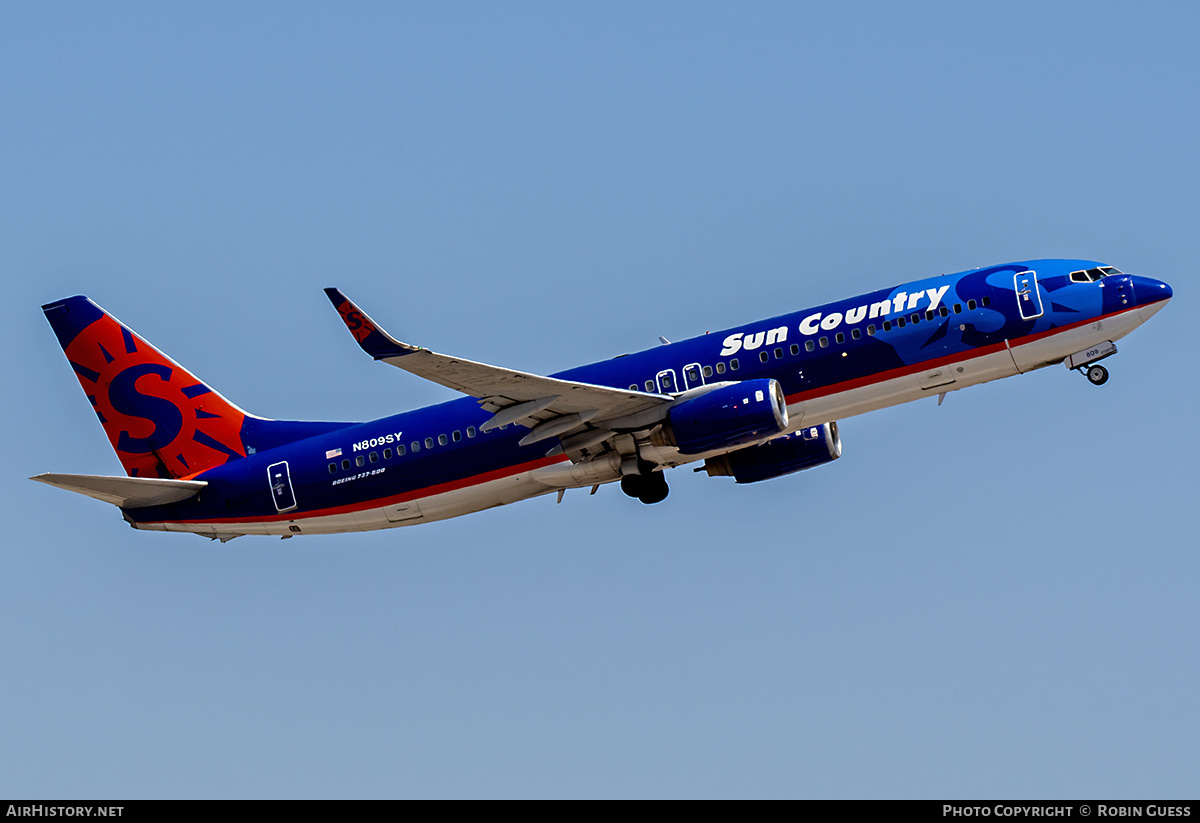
1098, 375
649, 488
632, 485
654, 488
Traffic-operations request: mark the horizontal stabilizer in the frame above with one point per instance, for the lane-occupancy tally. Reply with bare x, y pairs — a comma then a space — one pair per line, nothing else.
126, 492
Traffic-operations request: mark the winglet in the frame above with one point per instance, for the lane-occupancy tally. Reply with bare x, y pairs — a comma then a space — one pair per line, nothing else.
373, 340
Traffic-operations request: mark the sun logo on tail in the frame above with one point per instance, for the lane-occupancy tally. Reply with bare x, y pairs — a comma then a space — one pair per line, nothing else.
161, 420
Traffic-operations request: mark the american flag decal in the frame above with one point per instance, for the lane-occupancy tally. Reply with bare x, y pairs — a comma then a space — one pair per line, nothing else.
332, 453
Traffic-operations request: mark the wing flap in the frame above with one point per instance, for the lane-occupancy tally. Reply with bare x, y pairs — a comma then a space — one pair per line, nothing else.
126, 492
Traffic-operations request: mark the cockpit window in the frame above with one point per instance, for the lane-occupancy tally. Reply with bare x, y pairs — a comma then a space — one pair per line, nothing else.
1092, 275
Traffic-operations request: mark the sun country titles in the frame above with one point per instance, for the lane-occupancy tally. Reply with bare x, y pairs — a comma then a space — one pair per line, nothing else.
818, 321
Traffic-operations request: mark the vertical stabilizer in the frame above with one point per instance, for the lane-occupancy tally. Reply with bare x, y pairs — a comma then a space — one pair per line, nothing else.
161, 419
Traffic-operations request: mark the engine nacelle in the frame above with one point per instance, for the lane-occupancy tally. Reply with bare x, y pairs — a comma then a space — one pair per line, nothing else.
804, 449
725, 417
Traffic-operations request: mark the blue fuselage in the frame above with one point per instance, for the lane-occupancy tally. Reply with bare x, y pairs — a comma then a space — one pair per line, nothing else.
873, 350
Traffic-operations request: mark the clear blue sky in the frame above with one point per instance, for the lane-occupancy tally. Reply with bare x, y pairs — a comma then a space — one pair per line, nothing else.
992, 598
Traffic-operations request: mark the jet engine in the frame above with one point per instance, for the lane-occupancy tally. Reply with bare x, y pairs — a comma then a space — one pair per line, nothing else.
795, 452
725, 417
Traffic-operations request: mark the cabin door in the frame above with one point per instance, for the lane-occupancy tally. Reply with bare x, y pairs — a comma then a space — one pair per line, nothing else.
1029, 299
280, 480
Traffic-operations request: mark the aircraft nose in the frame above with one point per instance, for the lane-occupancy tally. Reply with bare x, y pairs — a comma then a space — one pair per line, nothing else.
1152, 295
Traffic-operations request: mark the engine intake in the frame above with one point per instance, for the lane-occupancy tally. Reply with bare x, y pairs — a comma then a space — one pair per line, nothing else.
813, 446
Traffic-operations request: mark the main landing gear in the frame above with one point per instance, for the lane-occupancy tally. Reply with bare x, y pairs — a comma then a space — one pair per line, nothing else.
648, 486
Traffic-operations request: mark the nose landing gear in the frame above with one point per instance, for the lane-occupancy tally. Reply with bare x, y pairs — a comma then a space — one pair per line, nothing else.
1097, 375
1087, 362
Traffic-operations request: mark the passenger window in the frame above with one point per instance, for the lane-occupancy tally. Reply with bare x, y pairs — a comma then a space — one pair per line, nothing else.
429, 442
824, 342
929, 314
887, 325
708, 371
721, 368
649, 385
456, 435
943, 311
387, 454
958, 308
470, 431
899, 322
987, 301
442, 440
795, 350
733, 364
360, 461
763, 356
400, 450
415, 446
345, 464
333, 468
779, 354
856, 333
970, 305
809, 345
374, 457
871, 330
841, 338
916, 318
693, 376
633, 387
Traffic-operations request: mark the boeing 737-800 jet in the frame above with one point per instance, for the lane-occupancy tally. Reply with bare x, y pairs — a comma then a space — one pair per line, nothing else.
752, 402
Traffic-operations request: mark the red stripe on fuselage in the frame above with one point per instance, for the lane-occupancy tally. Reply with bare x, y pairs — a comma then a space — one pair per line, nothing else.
961, 357
498, 474
379, 502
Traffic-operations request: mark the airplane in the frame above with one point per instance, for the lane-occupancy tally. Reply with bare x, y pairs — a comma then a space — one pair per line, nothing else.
753, 402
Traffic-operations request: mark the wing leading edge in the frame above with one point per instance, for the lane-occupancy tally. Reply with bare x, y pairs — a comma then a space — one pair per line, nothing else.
550, 407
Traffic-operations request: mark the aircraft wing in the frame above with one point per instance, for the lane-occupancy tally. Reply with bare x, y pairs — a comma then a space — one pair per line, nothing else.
549, 406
